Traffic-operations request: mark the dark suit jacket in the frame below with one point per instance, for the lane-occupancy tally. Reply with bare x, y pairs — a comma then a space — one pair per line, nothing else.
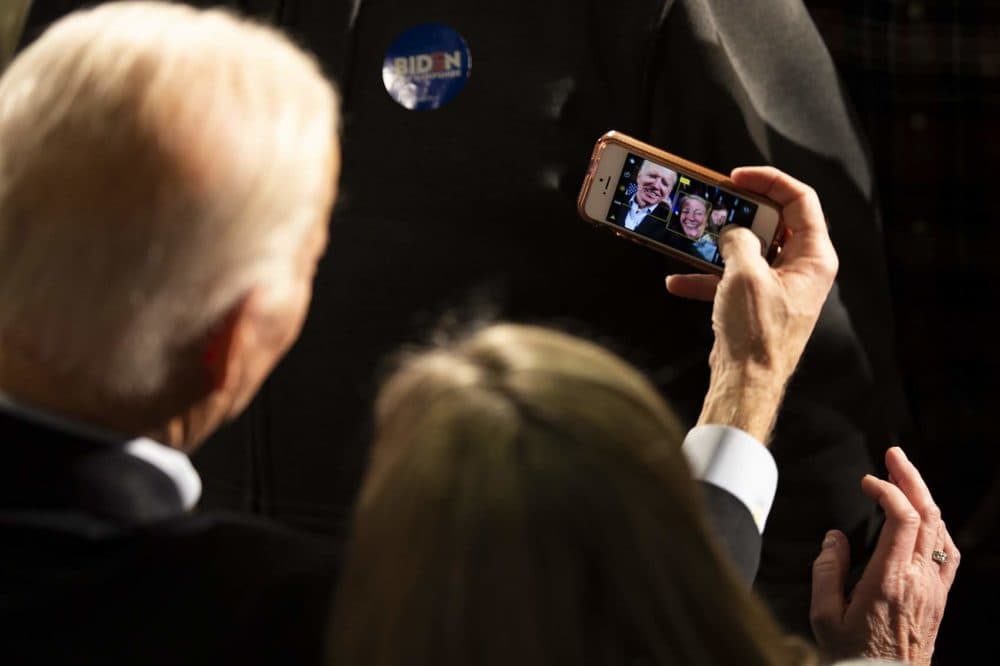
101, 565
652, 226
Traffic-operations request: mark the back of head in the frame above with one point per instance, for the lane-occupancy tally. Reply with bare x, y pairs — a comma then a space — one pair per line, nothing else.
156, 161
527, 503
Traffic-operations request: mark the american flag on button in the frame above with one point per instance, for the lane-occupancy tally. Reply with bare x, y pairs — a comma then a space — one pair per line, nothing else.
631, 189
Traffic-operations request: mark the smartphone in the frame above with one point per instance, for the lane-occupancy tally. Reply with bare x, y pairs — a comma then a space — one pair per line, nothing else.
669, 204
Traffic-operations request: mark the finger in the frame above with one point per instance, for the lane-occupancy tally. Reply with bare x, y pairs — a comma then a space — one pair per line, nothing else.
695, 287
741, 249
826, 610
950, 566
899, 533
801, 210
908, 479
772, 183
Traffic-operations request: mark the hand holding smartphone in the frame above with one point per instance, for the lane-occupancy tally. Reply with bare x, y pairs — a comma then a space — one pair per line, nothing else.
763, 315
669, 204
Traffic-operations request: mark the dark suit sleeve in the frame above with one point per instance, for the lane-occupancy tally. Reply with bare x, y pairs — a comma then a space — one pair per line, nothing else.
734, 528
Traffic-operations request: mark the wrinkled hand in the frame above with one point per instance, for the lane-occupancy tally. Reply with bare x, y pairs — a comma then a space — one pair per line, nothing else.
763, 315
895, 609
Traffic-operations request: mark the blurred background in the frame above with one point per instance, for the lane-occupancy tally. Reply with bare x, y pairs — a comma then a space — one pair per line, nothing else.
924, 77
12, 16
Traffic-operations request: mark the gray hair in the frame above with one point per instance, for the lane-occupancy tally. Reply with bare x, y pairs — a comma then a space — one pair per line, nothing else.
156, 163
647, 164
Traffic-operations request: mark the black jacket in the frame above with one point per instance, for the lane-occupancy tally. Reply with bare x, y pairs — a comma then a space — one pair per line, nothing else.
652, 226
101, 565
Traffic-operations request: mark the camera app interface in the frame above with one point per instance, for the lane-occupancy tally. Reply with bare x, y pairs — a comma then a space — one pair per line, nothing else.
675, 209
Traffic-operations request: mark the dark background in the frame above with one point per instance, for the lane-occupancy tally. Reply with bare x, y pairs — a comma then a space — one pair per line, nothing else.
925, 80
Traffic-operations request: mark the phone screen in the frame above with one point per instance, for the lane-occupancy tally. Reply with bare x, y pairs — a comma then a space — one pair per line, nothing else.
676, 209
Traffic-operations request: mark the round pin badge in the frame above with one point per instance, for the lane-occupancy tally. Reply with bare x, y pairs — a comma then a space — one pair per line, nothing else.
426, 67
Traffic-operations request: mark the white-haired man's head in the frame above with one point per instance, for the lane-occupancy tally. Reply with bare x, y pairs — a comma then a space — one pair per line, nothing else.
654, 183
166, 175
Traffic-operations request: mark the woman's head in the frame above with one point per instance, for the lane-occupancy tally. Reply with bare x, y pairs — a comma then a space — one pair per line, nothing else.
527, 503
693, 216
719, 217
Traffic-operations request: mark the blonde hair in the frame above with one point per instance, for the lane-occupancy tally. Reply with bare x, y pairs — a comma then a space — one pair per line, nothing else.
156, 162
527, 503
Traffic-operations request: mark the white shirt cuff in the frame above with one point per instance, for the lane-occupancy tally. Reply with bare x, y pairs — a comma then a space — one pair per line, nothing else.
736, 462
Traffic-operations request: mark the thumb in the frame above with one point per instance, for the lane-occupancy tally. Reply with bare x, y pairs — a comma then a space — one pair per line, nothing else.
696, 287
826, 613
740, 247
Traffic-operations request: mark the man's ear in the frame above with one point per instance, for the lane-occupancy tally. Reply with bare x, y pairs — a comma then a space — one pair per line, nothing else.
224, 347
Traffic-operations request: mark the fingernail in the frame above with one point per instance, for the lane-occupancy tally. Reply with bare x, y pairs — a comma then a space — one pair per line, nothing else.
830, 540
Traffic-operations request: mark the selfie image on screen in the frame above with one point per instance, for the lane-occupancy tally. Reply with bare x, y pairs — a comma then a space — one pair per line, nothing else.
676, 209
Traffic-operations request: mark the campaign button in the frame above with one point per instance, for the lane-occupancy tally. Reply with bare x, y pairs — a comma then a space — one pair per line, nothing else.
426, 67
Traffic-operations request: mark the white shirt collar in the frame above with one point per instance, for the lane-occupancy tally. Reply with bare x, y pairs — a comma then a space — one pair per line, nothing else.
636, 209
175, 464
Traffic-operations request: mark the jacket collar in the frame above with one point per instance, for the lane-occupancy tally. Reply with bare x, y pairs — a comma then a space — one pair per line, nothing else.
51, 462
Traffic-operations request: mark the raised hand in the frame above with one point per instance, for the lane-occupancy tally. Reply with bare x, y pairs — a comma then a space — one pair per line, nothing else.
896, 608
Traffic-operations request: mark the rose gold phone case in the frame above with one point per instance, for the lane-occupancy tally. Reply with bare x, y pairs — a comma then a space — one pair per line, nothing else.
708, 175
